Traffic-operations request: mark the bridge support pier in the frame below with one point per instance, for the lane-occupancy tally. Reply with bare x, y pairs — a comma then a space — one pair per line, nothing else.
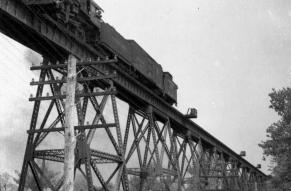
42, 134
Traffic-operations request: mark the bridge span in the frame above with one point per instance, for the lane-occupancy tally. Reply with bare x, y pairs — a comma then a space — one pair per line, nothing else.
156, 145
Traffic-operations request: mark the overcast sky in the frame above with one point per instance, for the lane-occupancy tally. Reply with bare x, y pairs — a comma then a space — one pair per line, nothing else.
225, 56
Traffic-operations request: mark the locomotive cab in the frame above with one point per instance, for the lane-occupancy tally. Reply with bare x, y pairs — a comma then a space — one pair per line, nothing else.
95, 8
95, 13
92, 12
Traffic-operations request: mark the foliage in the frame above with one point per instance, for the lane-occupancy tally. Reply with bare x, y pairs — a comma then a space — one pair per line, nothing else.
278, 144
80, 183
30, 183
6, 182
152, 181
110, 187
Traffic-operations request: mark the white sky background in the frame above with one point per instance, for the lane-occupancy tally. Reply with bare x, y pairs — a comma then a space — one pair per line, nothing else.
225, 56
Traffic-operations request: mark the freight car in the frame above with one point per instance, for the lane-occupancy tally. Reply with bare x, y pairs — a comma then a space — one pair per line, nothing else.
83, 18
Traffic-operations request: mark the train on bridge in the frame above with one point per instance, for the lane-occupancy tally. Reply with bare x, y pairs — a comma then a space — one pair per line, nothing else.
177, 152
83, 17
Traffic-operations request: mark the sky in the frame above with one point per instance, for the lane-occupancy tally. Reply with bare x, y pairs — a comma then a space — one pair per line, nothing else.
224, 55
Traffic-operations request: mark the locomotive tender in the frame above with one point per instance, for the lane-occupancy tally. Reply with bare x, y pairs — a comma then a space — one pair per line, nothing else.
83, 18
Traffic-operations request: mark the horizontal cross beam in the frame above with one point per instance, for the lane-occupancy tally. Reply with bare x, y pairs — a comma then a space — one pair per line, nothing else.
60, 96
80, 127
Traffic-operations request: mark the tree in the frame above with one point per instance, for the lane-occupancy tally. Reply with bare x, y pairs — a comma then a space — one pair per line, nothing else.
278, 144
6, 182
30, 183
80, 183
70, 139
152, 182
110, 187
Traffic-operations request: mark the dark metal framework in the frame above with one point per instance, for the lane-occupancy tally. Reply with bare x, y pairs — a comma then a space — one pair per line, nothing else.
156, 146
147, 148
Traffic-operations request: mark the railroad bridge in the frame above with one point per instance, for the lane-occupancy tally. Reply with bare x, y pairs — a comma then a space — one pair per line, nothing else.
128, 137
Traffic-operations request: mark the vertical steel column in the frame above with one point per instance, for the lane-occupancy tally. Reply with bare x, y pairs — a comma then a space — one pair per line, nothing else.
120, 143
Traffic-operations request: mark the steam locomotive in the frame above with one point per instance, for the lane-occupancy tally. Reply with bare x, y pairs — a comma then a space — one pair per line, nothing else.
84, 19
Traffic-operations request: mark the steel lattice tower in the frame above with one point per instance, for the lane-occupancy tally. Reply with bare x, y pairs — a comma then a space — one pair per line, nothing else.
147, 151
